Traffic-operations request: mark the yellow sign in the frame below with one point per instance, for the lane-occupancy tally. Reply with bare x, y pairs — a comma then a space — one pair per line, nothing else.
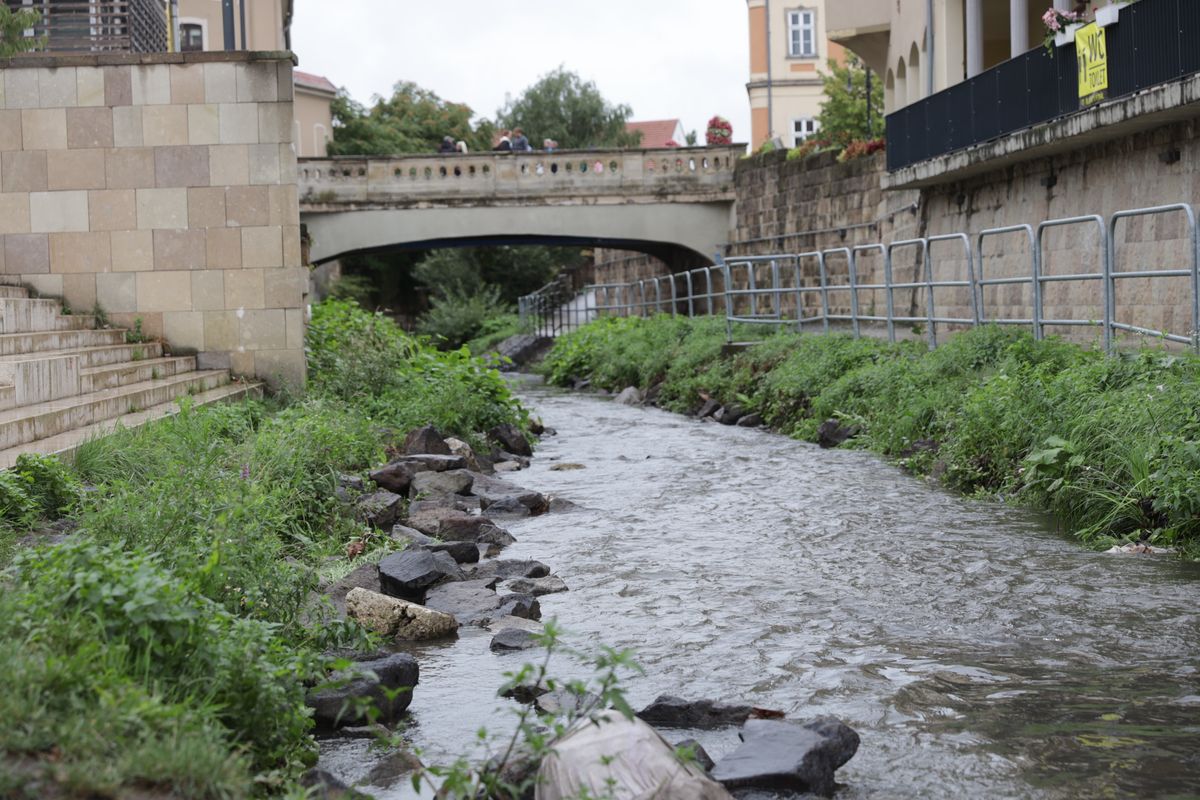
1092, 52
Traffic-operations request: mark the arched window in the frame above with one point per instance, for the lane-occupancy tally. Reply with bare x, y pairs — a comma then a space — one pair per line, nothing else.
889, 91
193, 35
914, 74
901, 85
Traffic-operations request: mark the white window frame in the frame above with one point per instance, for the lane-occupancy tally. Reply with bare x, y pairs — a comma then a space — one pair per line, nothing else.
809, 123
320, 136
801, 23
203, 23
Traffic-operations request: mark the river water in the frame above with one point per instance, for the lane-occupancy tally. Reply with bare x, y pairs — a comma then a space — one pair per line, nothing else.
978, 652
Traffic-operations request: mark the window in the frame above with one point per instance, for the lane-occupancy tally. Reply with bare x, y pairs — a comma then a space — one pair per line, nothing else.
802, 33
191, 37
803, 128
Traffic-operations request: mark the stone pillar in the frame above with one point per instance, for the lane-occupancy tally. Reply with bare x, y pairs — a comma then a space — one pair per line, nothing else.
1018, 27
974, 37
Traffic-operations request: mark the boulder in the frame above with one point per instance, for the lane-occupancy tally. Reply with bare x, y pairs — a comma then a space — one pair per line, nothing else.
394, 766
627, 752
788, 756
505, 568
363, 577
425, 440
456, 481
512, 639
396, 618
566, 466
520, 605
730, 414
833, 433
750, 421
558, 505
379, 509
693, 749
437, 462
451, 524
342, 703
323, 785
469, 602
507, 466
410, 573
564, 701
349, 487
520, 349
397, 476
461, 552
509, 507
491, 490
464, 451
456, 502
709, 408
549, 584
411, 537
510, 437
629, 396
497, 624
668, 711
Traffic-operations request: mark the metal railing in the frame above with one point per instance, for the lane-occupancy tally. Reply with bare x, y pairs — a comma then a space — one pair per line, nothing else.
89, 26
821, 287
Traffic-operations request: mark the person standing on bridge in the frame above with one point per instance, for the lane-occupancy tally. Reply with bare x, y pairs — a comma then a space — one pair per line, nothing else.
519, 143
505, 144
447, 145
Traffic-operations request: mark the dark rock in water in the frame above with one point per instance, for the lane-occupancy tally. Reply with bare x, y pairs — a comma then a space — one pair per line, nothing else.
788, 756
629, 396
511, 639
426, 440
411, 536
520, 349
537, 587
322, 785
832, 433
392, 767
492, 490
750, 421
508, 507
524, 606
470, 602
461, 552
709, 408
364, 731
408, 574
457, 526
668, 711
455, 481
536, 427
510, 568
559, 504
703, 759
653, 392
579, 384
730, 414
364, 577
435, 462
509, 437
439, 502
379, 509
525, 692
336, 706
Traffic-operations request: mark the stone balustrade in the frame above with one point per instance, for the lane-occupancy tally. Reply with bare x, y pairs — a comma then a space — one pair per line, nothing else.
492, 176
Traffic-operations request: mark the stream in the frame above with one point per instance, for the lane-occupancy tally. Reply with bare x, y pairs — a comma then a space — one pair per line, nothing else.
977, 651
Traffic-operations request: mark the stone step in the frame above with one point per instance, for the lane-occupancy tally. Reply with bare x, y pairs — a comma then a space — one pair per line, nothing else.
27, 424
64, 444
13, 344
110, 376
25, 315
76, 322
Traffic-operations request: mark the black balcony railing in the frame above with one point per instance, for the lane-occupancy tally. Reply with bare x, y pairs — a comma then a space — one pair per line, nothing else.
89, 26
1153, 42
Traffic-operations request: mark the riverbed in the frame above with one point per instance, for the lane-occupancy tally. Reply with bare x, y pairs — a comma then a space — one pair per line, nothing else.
978, 651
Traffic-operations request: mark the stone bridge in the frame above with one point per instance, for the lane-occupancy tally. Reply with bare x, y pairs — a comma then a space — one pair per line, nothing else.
676, 204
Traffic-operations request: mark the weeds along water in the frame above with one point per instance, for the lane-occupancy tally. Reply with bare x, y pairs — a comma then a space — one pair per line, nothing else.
1110, 446
159, 618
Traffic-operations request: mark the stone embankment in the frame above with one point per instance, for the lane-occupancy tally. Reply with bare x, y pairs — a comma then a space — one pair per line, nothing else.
443, 502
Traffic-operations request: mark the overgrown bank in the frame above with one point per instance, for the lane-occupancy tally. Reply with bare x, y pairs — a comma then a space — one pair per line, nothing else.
159, 623
1109, 446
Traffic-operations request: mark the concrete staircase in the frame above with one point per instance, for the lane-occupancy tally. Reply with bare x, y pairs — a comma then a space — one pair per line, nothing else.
62, 381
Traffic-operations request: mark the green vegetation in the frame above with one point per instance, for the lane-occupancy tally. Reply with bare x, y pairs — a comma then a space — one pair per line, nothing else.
13, 25
564, 107
167, 643
843, 117
412, 120
1109, 446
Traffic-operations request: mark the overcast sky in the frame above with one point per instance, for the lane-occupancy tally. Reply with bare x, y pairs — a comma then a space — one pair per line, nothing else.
665, 58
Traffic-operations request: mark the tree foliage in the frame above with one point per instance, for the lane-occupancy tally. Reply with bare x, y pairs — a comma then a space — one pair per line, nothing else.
843, 117
515, 271
13, 25
412, 120
564, 107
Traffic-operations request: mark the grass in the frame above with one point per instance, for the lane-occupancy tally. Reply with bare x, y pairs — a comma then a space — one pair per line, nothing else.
168, 642
1109, 446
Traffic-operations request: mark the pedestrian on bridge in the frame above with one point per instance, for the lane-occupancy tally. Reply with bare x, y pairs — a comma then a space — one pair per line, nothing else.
505, 144
520, 144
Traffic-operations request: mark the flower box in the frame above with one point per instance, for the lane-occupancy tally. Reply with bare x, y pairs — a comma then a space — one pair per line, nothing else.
1067, 35
1107, 15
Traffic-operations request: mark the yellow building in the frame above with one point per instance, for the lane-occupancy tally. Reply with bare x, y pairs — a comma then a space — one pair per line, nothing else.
788, 54
924, 46
267, 27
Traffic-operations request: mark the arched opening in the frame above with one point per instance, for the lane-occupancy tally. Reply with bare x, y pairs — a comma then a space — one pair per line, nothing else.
901, 85
889, 92
914, 74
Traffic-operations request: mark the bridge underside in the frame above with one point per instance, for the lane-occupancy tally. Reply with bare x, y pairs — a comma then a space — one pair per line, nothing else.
681, 234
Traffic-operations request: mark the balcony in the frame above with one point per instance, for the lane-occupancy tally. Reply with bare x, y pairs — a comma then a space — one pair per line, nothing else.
1153, 43
100, 26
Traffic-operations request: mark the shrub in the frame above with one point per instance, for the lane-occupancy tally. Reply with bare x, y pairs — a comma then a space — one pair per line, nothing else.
456, 318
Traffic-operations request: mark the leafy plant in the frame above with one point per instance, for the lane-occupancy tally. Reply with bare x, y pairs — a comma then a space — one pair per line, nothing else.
13, 25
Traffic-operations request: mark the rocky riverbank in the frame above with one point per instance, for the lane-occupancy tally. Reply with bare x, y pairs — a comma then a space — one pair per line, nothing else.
445, 505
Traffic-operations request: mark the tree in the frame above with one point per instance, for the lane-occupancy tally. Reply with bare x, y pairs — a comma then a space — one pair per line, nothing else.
843, 117
564, 107
412, 120
692, 138
515, 271
13, 25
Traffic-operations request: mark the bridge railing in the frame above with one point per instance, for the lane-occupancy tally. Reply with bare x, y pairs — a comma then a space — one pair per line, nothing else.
949, 288
367, 180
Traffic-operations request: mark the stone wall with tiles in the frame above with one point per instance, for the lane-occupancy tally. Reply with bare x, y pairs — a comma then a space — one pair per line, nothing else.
160, 187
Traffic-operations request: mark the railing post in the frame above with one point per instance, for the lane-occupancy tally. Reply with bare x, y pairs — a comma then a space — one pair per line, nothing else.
776, 300
889, 294
853, 292
674, 296
929, 296
799, 294
708, 283
824, 290
691, 302
720, 262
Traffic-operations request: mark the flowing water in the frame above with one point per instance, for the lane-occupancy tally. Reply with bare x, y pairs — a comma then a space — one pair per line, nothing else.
978, 652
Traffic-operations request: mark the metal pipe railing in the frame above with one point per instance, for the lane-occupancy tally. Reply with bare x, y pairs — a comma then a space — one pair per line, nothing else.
772, 289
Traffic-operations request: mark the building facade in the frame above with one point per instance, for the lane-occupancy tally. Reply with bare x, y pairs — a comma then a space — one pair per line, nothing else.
788, 55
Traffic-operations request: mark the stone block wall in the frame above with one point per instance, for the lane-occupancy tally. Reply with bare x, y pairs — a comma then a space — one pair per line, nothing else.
160, 187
